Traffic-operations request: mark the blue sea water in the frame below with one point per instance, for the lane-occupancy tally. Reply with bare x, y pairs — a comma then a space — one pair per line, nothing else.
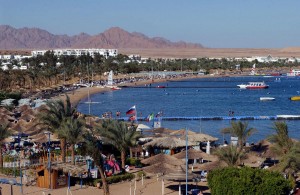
207, 97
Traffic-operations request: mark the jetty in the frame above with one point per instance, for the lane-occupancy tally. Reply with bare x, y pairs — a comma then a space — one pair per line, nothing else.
180, 118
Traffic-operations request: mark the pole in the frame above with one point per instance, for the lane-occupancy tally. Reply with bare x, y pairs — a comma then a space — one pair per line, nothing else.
80, 180
49, 161
186, 159
19, 138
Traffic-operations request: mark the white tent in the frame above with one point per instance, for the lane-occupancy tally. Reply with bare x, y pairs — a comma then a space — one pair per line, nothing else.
141, 127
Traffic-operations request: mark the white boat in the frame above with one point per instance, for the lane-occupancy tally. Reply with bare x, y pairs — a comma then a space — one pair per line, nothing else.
293, 72
110, 82
266, 98
254, 85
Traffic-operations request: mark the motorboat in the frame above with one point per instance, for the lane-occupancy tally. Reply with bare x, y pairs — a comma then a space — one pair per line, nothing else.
254, 85
295, 98
161, 86
266, 98
114, 88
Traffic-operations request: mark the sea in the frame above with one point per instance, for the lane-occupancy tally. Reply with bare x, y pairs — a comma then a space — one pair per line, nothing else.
206, 97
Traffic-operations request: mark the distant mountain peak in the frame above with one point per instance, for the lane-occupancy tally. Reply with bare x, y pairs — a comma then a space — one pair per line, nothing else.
114, 37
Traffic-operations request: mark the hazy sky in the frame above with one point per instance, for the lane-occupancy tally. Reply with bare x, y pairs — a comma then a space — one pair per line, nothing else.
213, 23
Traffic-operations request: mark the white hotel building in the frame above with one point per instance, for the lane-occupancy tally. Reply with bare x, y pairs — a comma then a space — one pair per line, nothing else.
78, 52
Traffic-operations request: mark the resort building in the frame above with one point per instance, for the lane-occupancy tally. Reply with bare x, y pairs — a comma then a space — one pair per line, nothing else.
78, 52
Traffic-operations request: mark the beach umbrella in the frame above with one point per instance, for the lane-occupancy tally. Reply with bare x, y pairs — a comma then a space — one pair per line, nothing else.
160, 131
200, 137
195, 154
162, 158
208, 166
159, 168
5, 111
252, 160
182, 132
168, 142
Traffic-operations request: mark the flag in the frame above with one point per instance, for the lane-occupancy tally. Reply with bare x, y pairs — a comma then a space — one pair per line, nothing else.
150, 117
132, 118
131, 110
159, 114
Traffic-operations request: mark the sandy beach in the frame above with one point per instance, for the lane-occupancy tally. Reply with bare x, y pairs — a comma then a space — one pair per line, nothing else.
77, 95
150, 186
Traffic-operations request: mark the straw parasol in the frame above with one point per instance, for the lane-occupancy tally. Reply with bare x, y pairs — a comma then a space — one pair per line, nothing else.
162, 168
195, 154
208, 166
201, 137
179, 174
162, 158
168, 142
42, 138
252, 160
160, 131
181, 132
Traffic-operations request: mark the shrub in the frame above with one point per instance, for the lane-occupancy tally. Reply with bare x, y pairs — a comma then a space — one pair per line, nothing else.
140, 174
110, 180
133, 162
10, 171
247, 181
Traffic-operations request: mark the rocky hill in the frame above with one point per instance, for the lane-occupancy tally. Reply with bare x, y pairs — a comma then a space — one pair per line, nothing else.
35, 38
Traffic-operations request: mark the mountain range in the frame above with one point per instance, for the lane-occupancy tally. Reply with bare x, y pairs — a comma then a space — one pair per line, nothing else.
115, 37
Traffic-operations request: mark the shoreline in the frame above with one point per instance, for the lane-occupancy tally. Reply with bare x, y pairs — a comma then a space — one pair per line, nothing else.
79, 94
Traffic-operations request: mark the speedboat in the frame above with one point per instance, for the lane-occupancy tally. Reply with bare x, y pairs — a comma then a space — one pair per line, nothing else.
295, 98
160, 86
254, 85
266, 98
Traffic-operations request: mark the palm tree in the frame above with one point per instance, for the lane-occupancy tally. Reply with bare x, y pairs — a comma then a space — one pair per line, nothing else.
52, 118
120, 135
240, 130
282, 141
72, 130
4, 133
94, 148
231, 155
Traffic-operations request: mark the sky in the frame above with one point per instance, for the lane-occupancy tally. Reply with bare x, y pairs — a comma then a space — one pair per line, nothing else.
212, 23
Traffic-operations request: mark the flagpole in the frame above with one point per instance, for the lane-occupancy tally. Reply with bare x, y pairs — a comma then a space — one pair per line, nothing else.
186, 158
136, 114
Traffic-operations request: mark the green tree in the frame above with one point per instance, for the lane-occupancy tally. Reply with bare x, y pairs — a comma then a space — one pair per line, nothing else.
120, 135
246, 181
72, 129
239, 129
52, 118
231, 155
282, 141
4, 133
94, 148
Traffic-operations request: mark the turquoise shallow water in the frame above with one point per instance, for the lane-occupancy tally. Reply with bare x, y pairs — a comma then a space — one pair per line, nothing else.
206, 97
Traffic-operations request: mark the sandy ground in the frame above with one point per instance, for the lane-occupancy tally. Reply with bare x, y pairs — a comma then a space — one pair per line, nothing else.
150, 186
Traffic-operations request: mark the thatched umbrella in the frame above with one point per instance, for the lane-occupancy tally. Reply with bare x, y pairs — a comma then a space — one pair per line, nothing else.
179, 174
160, 131
200, 137
208, 166
181, 132
195, 154
168, 142
5, 111
159, 168
252, 160
162, 158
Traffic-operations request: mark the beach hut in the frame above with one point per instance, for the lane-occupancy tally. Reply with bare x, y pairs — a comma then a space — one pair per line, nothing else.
58, 177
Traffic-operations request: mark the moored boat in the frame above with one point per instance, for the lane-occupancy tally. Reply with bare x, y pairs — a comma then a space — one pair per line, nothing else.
266, 98
295, 98
254, 85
